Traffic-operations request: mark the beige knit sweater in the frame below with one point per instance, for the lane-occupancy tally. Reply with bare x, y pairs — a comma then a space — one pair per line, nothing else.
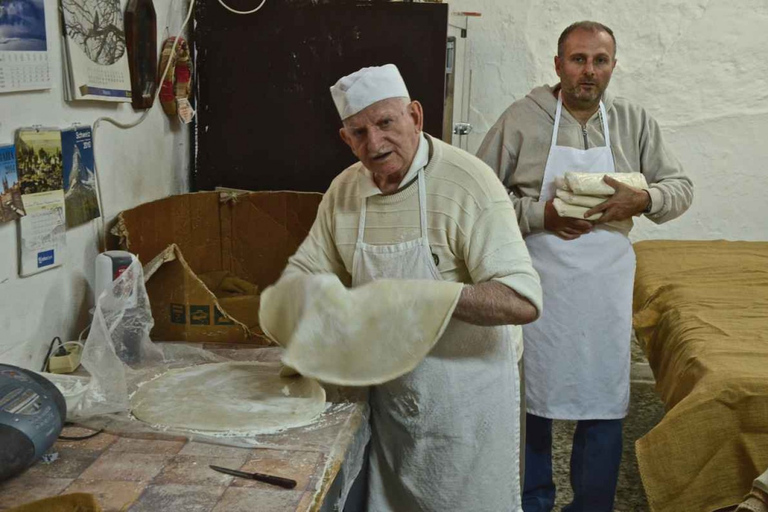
517, 146
471, 223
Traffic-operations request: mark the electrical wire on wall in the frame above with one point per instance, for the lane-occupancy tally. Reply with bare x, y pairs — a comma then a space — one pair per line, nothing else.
127, 126
242, 12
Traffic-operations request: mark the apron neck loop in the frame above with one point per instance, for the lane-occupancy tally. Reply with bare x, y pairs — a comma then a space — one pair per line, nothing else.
422, 210
558, 115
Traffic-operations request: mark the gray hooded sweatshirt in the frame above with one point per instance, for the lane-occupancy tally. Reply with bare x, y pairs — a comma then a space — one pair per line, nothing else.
517, 147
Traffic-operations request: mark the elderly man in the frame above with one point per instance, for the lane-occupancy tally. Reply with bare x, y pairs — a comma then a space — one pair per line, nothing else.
577, 354
444, 436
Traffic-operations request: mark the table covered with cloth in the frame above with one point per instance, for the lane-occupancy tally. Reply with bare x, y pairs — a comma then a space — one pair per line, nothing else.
701, 314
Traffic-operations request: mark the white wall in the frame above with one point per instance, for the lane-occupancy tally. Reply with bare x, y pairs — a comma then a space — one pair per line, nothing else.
134, 166
698, 66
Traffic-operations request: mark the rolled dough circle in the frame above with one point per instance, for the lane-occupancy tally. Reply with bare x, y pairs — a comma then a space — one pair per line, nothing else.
232, 398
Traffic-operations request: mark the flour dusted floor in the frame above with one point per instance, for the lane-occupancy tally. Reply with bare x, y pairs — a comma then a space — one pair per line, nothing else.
645, 411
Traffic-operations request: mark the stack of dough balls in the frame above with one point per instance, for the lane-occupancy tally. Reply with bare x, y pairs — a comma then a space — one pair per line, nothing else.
577, 192
358, 336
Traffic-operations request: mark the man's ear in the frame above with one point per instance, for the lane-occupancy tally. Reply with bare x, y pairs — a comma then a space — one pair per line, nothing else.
416, 112
558, 63
344, 136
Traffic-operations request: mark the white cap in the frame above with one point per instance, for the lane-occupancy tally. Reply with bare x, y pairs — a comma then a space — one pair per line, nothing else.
363, 88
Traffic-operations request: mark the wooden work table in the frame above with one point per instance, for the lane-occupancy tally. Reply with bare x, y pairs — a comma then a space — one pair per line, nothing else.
157, 473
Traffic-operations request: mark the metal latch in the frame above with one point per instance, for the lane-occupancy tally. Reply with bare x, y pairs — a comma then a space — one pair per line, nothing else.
461, 128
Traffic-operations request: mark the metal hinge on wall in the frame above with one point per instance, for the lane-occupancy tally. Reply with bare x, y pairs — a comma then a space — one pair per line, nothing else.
461, 128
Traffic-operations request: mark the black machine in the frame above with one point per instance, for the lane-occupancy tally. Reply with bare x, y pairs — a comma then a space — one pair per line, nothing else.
32, 414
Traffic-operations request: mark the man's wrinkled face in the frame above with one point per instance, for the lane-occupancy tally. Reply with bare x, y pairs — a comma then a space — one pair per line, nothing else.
385, 136
585, 67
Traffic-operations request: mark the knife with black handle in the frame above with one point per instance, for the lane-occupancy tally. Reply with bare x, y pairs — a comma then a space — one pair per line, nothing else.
286, 483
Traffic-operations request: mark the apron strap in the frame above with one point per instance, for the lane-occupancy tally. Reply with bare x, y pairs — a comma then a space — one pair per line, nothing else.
558, 114
361, 224
604, 122
423, 206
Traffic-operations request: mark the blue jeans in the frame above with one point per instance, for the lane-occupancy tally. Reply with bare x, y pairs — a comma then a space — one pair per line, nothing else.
595, 463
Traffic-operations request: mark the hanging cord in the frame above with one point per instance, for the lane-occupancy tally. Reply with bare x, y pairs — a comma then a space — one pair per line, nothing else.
242, 12
126, 126
48, 354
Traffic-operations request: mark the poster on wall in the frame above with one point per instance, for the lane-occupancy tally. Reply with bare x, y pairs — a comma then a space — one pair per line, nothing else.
42, 239
81, 203
94, 51
11, 205
23, 46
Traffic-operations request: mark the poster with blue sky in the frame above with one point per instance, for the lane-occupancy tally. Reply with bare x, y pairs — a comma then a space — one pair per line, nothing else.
22, 25
23, 46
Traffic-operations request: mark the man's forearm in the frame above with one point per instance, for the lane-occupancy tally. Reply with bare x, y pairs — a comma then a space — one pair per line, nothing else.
493, 303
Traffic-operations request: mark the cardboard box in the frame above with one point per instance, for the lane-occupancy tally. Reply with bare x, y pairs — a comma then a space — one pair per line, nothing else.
208, 255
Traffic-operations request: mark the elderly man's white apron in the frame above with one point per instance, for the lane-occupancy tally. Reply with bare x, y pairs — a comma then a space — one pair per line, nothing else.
445, 436
577, 353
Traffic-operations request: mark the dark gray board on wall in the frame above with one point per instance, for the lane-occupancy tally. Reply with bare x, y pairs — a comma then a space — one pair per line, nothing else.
265, 117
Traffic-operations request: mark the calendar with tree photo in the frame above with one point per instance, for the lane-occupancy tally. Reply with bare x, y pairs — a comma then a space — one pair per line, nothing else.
95, 56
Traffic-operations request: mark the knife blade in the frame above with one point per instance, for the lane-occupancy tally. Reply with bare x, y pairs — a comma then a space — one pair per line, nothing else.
286, 483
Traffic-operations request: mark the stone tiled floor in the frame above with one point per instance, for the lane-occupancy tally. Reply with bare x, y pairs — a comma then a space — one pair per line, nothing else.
151, 475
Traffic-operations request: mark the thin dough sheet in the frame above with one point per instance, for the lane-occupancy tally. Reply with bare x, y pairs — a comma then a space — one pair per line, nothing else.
229, 398
360, 336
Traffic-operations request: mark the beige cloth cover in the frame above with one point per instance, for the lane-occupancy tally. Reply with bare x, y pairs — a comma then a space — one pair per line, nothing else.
564, 209
701, 314
578, 200
592, 184
360, 336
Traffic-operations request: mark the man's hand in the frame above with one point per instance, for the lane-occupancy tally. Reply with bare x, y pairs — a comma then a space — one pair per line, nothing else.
564, 227
625, 203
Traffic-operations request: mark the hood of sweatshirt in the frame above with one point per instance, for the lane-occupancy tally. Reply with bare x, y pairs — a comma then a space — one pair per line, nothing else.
544, 97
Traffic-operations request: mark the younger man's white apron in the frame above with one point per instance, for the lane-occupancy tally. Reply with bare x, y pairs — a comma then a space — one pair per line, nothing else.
445, 436
577, 353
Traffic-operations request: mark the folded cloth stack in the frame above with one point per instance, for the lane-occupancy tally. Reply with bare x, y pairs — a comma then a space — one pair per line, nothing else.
577, 192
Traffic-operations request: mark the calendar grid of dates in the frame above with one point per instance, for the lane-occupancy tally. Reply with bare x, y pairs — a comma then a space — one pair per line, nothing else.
23, 71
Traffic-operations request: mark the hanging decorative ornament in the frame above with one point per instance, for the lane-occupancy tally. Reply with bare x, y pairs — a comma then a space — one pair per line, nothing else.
177, 85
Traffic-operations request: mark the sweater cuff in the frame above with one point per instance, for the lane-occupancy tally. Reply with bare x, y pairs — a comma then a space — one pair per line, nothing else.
535, 216
528, 286
657, 200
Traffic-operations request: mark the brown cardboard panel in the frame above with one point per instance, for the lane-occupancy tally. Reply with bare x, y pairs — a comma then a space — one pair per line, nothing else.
190, 221
214, 238
276, 223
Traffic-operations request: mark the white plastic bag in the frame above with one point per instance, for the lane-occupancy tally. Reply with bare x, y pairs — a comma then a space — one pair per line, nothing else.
117, 343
